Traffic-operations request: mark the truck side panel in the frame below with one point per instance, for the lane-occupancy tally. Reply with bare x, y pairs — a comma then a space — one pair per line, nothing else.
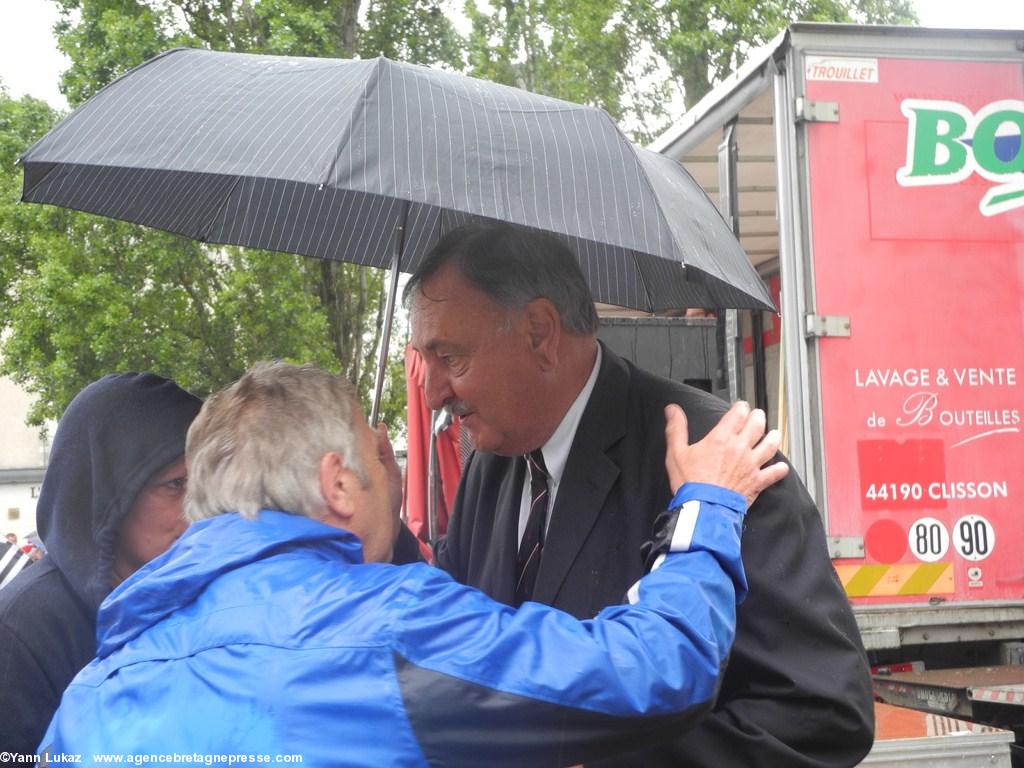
917, 232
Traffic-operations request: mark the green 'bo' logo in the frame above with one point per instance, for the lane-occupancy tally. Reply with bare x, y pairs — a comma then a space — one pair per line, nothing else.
946, 143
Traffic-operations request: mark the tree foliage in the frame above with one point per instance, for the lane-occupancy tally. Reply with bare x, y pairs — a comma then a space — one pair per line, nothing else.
105, 38
702, 42
84, 296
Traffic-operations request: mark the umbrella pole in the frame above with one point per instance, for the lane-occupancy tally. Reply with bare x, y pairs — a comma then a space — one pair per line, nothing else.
389, 314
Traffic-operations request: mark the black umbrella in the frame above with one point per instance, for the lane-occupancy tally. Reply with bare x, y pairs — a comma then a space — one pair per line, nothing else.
371, 161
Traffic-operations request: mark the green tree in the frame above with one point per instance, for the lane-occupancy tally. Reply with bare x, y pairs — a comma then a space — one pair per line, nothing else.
83, 295
417, 31
21, 123
105, 38
578, 50
702, 42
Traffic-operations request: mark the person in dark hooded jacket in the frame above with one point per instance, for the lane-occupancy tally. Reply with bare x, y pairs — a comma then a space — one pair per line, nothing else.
111, 500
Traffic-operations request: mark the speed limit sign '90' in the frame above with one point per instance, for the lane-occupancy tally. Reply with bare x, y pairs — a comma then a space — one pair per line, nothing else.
974, 537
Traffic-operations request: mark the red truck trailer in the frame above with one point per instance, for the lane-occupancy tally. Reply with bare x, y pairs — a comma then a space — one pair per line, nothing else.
875, 176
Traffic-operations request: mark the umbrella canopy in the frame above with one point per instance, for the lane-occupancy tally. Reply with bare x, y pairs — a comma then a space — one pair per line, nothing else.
328, 158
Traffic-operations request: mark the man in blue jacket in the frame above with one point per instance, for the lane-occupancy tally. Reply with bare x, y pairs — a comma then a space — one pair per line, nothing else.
274, 626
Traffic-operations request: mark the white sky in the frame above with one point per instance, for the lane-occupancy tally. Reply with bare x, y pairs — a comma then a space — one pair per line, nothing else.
30, 62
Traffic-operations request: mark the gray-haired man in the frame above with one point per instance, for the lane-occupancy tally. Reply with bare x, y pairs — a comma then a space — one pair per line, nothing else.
506, 326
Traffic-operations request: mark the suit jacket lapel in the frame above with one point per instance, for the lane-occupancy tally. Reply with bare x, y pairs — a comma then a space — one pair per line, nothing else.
589, 476
499, 566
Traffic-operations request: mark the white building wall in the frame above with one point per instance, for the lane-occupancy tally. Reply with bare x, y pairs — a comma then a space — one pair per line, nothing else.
18, 509
23, 454
21, 446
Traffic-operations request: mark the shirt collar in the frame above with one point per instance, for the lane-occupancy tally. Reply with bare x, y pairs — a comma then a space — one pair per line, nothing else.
556, 449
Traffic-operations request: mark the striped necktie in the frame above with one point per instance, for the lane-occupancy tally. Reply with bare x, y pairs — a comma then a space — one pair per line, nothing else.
12, 563
530, 548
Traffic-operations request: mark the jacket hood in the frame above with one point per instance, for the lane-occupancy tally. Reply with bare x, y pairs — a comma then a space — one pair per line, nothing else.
207, 550
112, 438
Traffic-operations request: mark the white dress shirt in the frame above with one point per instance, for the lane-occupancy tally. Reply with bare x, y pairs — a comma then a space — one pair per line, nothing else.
556, 450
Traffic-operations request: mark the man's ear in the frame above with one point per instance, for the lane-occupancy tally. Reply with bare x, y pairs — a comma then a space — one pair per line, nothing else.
544, 326
336, 488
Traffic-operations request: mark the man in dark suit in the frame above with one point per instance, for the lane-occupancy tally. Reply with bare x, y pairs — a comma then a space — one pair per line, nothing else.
506, 326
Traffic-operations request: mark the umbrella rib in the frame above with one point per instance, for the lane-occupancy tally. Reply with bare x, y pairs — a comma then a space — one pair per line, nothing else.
720, 275
372, 83
216, 218
647, 182
641, 279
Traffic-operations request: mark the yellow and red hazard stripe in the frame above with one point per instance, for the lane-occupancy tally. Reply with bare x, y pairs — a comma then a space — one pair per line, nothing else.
881, 580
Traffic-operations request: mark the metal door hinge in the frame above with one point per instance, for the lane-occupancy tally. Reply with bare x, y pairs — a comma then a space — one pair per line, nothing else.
841, 547
827, 325
816, 111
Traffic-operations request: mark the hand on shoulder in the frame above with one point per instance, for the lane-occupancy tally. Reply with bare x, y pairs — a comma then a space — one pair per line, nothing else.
732, 455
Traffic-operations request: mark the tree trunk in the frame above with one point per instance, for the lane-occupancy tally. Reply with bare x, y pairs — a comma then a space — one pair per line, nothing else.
348, 28
696, 75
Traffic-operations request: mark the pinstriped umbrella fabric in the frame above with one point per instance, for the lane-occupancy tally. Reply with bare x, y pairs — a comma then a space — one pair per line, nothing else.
326, 157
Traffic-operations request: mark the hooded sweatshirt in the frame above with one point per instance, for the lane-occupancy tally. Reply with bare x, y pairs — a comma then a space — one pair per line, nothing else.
116, 434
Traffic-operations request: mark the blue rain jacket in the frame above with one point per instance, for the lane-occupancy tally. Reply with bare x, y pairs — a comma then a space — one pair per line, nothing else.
271, 637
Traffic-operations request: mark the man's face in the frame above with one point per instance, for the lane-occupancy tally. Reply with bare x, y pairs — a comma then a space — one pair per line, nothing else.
376, 521
154, 522
479, 362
